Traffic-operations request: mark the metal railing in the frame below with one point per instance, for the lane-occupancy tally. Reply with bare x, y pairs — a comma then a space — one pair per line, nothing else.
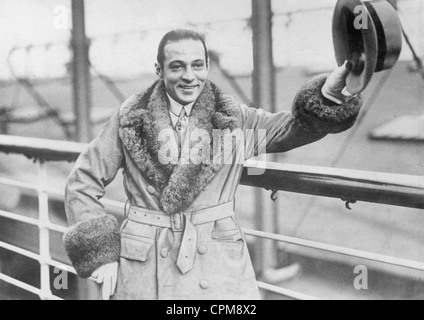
349, 185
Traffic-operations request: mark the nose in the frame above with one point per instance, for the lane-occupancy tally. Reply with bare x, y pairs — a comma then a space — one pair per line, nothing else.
188, 75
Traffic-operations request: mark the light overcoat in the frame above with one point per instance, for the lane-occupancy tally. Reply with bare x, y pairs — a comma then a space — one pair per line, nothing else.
134, 140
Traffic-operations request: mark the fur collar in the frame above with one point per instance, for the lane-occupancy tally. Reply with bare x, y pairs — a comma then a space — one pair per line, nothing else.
145, 115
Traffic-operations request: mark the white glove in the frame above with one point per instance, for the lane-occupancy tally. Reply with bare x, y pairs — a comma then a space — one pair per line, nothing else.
108, 275
334, 88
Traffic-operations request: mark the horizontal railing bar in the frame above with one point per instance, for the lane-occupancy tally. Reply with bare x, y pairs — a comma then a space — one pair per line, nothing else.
31, 221
20, 251
18, 217
374, 187
338, 250
34, 187
285, 292
353, 185
20, 284
18, 184
29, 186
47, 149
36, 257
25, 286
55, 227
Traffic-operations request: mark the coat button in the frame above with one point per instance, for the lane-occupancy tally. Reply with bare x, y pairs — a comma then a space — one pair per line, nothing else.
164, 252
151, 190
202, 250
204, 284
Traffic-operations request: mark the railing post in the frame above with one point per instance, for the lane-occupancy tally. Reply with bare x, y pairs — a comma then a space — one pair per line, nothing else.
44, 237
264, 97
81, 73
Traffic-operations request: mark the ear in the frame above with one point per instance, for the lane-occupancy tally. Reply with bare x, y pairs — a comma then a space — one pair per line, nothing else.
159, 70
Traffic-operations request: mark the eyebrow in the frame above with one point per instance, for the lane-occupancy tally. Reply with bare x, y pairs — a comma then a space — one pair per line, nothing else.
176, 61
182, 62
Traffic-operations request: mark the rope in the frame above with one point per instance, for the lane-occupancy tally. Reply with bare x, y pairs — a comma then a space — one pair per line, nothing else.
110, 84
38, 98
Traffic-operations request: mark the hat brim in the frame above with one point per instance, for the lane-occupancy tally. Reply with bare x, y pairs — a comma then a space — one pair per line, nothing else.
357, 45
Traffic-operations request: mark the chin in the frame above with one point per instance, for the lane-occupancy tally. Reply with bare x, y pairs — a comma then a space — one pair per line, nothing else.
187, 100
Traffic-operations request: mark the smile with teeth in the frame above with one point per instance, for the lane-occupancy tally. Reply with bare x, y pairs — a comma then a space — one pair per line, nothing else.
188, 87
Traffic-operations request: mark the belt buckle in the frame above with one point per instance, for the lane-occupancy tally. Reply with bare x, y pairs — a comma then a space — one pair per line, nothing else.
173, 226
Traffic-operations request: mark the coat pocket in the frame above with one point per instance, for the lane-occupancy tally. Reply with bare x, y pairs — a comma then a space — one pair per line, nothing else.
227, 230
136, 241
135, 248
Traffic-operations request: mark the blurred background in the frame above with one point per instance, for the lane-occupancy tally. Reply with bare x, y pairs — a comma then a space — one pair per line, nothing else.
38, 98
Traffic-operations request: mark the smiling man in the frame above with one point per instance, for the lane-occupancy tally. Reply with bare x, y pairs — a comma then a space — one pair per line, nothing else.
183, 71
180, 238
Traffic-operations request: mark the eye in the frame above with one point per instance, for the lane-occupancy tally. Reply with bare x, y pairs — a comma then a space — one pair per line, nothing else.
176, 67
198, 66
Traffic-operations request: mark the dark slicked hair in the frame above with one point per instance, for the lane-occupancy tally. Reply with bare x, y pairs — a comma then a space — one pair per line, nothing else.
179, 35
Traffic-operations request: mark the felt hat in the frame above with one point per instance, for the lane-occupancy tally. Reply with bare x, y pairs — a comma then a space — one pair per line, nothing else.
369, 35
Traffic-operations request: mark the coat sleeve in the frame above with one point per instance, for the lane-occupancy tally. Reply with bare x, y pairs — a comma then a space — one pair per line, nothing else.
93, 240
313, 117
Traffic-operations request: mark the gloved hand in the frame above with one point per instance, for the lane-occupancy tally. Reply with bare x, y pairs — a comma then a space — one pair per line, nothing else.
334, 88
107, 275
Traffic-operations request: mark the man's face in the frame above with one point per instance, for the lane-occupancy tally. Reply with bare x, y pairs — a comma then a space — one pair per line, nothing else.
184, 71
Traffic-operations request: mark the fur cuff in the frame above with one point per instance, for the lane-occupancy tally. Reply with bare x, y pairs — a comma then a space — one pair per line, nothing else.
93, 243
315, 113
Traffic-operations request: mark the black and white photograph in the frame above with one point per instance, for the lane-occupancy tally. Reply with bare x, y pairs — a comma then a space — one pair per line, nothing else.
215, 151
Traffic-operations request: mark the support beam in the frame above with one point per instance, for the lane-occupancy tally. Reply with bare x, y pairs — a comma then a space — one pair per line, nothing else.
264, 71
81, 73
264, 97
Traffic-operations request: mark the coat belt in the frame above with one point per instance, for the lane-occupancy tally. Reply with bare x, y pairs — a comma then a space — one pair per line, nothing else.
184, 222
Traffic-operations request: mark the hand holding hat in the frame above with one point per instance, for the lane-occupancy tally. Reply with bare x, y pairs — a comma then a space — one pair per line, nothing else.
334, 88
368, 34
